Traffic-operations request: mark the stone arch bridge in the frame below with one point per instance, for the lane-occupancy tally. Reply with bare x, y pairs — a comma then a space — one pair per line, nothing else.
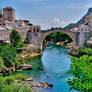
44, 34
37, 37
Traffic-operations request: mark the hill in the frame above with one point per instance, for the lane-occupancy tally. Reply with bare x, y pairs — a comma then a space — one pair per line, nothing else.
81, 21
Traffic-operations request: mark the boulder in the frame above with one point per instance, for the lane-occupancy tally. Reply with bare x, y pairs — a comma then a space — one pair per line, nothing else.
46, 85
25, 67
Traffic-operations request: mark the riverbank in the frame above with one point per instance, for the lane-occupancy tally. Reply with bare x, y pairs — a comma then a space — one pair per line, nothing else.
30, 51
30, 83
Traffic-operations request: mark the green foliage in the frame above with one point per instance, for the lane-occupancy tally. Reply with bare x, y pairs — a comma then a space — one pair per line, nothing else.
15, 87
20, 77
85, 51
58, 36
30, 24
18, 61
26, 40
72, 25
8, 80
16, 39
1, 84
7, 84
8, 54
82, 71
1, 63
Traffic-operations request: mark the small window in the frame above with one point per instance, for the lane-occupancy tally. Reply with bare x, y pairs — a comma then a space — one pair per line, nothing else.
34, 30
37, 30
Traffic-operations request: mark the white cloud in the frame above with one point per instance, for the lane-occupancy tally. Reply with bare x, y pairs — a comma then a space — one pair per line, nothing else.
58, 22
55, 22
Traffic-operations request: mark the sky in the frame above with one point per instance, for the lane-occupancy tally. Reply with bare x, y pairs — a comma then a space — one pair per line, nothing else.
49, 13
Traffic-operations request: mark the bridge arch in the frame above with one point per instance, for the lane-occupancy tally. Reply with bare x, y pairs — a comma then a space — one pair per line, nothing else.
45, 34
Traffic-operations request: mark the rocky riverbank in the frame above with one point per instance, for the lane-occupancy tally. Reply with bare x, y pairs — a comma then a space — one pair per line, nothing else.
74, 51
30, 82
30, 51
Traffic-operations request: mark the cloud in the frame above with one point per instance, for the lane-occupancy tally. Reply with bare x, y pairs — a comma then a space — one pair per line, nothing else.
58, 22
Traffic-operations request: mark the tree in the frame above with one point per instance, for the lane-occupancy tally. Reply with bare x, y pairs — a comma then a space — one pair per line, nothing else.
8, 54
82, 71
30, 24
59, 36
15, 38
26, 39
1, 63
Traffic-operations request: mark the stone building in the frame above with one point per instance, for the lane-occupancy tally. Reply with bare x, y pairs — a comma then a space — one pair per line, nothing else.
34, 34
85, 31
9, 14
9, 23
83, 28
4, 35
84, 34
26, 22
22, 23
88, 22
22, 30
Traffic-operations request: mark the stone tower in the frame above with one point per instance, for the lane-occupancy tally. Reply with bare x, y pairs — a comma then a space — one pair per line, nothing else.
9, 14
34, 36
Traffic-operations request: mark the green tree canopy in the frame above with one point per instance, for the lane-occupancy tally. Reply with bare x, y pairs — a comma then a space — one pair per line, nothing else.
15, 38
1, 63
8, 54
58, 36
82, 71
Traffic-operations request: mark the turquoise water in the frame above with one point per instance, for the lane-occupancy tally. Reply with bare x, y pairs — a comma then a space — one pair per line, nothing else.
56, 63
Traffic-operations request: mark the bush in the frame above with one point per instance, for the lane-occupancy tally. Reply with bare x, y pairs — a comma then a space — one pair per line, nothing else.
85, 51
8, 54
15, 87
20, 77
7, 84
17, 63
8, 80
1, 83
1, 63
16, 39
58, 36
82, 71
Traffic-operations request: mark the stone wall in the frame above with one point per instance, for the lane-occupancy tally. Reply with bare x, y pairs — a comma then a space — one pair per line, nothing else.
4, 34
83, 36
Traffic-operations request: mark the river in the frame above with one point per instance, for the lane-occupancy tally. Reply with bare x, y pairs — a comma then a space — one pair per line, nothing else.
56, 63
